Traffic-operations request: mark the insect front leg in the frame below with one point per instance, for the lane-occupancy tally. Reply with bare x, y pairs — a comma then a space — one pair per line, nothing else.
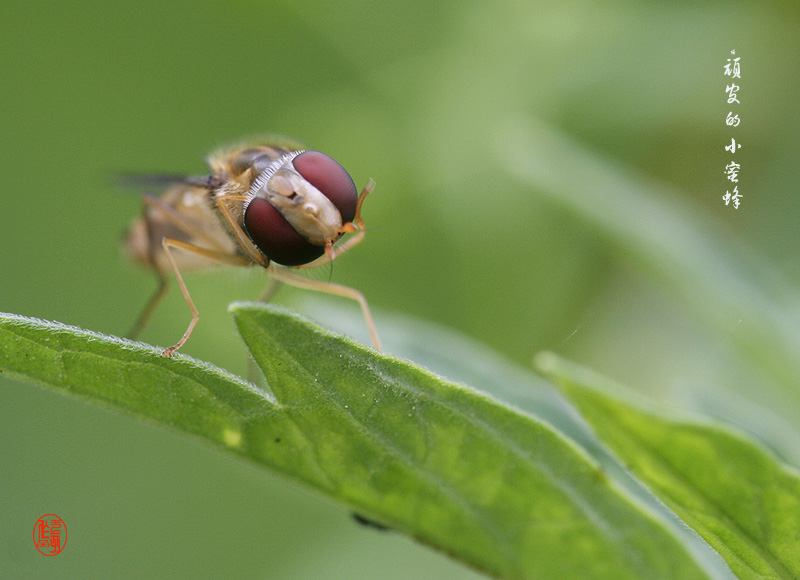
158, 218
299, 281
357, 226
223, 203
169, 244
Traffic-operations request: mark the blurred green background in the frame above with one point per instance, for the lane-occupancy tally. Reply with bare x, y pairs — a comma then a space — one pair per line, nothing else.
498, 133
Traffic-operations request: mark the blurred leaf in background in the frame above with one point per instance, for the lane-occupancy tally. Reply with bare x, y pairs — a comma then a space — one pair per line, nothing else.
497, 133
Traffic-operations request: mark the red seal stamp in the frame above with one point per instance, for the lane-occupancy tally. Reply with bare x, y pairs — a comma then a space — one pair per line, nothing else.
50, 535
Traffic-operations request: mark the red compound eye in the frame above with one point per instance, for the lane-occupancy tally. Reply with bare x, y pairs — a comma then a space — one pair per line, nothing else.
275, 237
324, 173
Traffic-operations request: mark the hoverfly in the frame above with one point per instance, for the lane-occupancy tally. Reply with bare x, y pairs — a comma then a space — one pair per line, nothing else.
269, 203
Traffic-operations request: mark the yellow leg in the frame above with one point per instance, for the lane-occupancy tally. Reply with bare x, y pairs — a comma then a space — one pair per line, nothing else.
241, 237
158, 295
169, 244
299, 281
270, 290
155, 204
150, 308
357, 225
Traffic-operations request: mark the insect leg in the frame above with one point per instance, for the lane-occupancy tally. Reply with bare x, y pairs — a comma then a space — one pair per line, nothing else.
151, 206
270, 290
158, 295
150, 307
364, 193
357, 225
253, 372
299, 281
241, 237
169, 244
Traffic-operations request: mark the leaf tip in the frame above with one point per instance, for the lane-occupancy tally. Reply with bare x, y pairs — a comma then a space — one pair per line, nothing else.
238, 306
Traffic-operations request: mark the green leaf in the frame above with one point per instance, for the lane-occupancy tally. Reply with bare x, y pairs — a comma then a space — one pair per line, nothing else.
442, 462
452, 466
733, 492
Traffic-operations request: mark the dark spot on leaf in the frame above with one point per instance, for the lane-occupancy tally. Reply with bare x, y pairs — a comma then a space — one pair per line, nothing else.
369, 523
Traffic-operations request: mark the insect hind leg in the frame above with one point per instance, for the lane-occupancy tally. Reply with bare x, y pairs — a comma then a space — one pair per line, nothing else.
147, 313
